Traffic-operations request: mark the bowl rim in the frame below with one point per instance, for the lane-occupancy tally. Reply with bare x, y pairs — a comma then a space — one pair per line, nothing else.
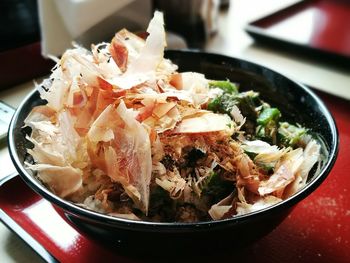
100, 218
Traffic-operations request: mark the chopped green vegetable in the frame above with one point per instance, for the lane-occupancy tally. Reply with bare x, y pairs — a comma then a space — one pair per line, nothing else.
248, 103
268, 124
290, 135
223, 103
215, 105
268, 115
225, 85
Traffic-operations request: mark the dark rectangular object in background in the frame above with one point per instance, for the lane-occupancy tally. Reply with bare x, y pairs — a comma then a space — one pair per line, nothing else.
314, 27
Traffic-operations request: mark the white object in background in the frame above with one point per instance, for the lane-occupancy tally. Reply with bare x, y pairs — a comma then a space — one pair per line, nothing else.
88, 21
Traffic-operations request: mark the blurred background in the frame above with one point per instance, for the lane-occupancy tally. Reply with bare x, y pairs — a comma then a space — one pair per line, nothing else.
309, 32
308, 41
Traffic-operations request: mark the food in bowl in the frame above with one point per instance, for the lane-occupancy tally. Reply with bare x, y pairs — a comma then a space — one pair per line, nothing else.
124, 133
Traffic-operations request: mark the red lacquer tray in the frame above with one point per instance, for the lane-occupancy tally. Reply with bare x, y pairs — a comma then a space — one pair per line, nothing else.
317, 230
319, 27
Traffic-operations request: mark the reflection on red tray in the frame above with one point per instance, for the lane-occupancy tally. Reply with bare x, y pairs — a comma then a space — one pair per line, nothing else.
321, 25
318, 229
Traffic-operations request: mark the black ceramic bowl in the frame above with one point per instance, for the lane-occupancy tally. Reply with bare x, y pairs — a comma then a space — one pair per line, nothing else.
296, 102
